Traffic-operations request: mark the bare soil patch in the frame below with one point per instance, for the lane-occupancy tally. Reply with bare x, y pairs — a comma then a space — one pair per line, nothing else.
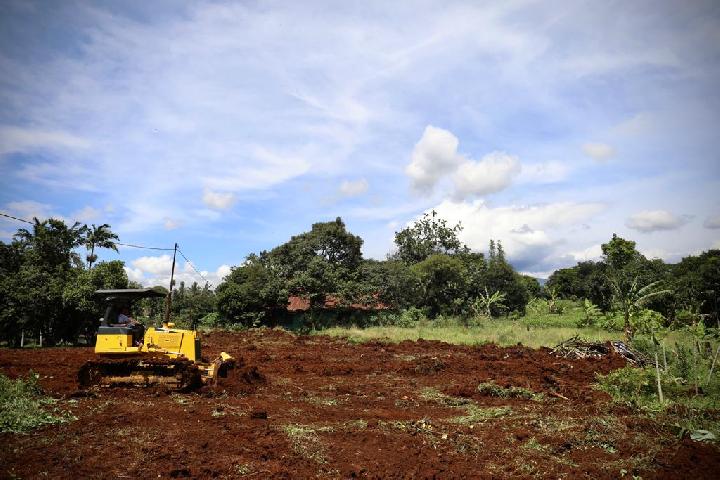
317, 407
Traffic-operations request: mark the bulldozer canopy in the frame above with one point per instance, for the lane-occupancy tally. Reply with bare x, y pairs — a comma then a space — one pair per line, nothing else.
127, 295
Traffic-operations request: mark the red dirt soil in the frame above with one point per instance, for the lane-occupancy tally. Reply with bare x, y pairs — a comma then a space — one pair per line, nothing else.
317, 407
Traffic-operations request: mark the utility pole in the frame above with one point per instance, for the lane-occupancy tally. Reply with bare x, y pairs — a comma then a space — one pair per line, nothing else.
168, 303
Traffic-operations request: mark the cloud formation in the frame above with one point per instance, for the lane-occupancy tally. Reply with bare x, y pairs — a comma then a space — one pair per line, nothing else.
155, 270
218, 200
600, 152
712, 222
435, 155
99, 106
656, 220
530, 234
353, 188
16, 139
494, 172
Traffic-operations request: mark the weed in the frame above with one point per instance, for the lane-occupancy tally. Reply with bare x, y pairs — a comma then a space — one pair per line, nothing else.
243, 469
533, 444
305, 441
324, 402
552, 424
432, 395
354, 425
23, 407
473, 413
493, 390
476, 414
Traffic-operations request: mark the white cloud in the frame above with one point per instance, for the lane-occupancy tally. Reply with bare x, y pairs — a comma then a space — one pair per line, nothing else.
529, 234
29, 209
15, 139
593, 252
86, 214
159, 265
600, 152
656, 220
433, 157
494, 172
218, 200
134, 274
260, 168
546, 172
349, 188
171, 224
712, 222
436, 156
639, 124
151, 271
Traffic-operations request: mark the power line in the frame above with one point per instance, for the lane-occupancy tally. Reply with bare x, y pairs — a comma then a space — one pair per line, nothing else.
117, 243
129, 245
16, 218
193, 266
144, 247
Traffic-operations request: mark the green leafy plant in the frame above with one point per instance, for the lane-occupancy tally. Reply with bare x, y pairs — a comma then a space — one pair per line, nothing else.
23, 407
485, 303
591, 313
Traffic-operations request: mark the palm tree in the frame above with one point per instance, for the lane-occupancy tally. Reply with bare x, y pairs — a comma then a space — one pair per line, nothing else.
53, 241
101, 237
631, 297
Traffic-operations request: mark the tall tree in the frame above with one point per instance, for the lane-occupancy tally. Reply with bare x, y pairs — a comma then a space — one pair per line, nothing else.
317, 263
48, 258
428, 236
101, 237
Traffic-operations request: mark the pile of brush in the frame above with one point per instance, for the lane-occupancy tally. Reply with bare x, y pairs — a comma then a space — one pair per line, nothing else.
575, 347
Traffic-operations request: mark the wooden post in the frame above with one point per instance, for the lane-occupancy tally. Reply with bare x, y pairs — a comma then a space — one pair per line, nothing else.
168, 304
40, 338
657, 373
22, 338
712, 367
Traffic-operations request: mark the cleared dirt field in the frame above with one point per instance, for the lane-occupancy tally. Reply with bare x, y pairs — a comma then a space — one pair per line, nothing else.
313, 406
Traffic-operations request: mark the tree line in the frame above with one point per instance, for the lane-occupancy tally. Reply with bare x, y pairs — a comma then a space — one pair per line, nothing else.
430, 270
46, 286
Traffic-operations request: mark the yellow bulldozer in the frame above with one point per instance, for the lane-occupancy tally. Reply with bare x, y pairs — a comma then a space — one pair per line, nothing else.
132, 355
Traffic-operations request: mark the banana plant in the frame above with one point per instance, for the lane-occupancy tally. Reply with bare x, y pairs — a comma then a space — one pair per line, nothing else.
631, 297
485, 302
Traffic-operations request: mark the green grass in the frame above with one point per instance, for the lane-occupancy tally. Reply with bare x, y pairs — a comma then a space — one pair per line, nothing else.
23, 407
501, 331
691, 393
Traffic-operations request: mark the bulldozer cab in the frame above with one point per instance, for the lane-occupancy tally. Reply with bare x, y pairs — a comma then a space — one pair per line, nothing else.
116, 300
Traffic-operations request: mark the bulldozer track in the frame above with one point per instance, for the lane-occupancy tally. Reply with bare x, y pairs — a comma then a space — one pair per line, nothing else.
179, 374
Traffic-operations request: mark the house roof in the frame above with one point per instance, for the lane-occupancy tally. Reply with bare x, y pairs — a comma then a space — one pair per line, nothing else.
302, 304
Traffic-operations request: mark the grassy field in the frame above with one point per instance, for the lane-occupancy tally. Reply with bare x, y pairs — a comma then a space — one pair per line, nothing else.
536, 329
501, 332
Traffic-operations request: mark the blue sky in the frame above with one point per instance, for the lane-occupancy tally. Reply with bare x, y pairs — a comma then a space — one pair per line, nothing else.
230, 126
